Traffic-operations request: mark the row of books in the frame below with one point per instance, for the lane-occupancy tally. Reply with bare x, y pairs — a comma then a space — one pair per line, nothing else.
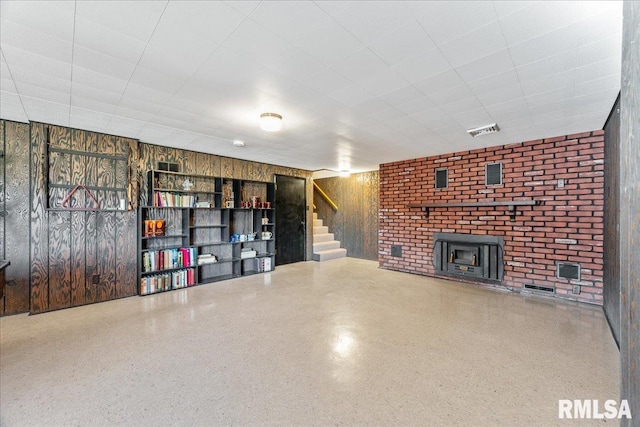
166, 199
167, 281
166, 259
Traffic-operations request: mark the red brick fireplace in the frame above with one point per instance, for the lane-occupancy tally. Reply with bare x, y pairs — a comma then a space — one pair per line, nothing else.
562, 232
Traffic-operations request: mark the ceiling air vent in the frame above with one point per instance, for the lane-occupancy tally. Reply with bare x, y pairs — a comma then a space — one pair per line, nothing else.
483, 130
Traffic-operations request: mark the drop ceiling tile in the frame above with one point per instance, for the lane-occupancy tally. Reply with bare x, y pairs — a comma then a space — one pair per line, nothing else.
108, 41
38, 78
92, 78
246, 7
46, 112
595, 70
350, 95
423, 65
560, 81
384, 81
515, 108
156, 80
7, 85
326, 81
432, 118
11, 107
361, 64
328, 43
255, 43
53, 18
96, 93
402, 95
538, 19
507, 78
446, 21
136, 108
500, 94
450, 95
179, 66
134, 18
402, 43
290, 20
443, 81
28, 39
92, 105
504, 8
212, 21
181, 43
475, 45
602, 21
369, 21
44, 93
44, 65
461, 106
607, 48
610, 83
416, 105
294, 63
479, 69
561, 40
102, 63
548, 66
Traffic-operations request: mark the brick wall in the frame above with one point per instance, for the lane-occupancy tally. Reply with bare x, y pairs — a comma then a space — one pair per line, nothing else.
567, 224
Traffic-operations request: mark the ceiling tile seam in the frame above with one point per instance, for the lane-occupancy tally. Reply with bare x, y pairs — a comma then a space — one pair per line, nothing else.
454, 69
138, 63
205, 61
73, 49
24, 110
514, 68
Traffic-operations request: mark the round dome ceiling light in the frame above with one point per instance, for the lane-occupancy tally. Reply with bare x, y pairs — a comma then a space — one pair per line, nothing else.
271, 122
238, 143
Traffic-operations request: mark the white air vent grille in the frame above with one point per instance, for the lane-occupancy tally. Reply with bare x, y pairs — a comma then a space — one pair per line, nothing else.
483, 130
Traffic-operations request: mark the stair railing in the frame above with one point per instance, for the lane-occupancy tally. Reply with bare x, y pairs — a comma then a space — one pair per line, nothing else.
325, 197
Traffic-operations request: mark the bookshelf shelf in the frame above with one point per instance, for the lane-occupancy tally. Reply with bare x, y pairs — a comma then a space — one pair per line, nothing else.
210, 230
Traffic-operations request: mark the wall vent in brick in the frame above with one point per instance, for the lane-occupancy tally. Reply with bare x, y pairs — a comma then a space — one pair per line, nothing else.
442, 178
493, 174
540, 288
566, 270
396, 251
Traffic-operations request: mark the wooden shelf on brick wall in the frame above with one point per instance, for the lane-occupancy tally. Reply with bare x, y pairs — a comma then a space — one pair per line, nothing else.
511, 205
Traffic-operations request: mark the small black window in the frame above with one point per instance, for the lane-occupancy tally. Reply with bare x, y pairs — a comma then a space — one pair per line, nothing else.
493, 174
442, 178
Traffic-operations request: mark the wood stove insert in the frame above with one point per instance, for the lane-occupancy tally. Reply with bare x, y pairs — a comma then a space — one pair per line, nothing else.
467, 255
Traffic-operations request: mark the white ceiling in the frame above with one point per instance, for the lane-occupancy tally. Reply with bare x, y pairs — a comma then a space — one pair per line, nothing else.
358, 83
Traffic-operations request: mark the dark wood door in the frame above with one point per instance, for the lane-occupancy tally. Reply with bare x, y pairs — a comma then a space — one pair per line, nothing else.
290, 219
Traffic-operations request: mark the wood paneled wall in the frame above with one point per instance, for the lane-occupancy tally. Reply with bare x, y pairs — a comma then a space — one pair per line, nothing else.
355, 223
14, 224
225, 167
611, 265
79, 257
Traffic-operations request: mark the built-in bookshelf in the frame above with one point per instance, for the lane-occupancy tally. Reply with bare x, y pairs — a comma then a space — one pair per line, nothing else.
204, 231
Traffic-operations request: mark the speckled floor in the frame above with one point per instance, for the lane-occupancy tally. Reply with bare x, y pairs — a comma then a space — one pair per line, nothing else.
334, 343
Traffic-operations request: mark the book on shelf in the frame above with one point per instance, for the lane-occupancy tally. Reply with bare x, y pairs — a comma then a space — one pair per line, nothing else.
174, 200
166, 259
207, 259
167, 281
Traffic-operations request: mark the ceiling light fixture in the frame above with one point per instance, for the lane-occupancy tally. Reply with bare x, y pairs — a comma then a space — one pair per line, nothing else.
271, 122
484, 130
238, 143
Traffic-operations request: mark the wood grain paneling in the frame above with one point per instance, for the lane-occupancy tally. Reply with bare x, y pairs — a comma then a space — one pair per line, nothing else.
106, 254
92, 278
125, 278
39, 223
59, 268
355, 224
78, 289
611, 266
16, 221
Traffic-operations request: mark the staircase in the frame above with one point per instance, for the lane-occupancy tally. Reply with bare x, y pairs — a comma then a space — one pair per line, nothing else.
324, 245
